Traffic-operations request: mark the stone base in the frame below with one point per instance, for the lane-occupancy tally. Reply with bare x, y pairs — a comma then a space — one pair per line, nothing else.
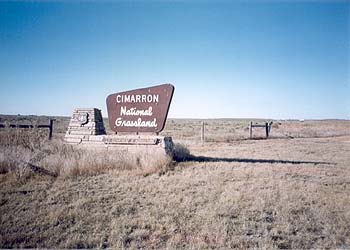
83, 123
129, 143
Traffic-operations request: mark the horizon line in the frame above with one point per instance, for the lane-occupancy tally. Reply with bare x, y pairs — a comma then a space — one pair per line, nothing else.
204, 118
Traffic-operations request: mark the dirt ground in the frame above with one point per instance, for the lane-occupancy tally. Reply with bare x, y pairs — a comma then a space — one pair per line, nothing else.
280, 193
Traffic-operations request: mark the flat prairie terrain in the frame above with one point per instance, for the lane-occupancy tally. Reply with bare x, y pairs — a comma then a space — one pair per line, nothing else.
291, 191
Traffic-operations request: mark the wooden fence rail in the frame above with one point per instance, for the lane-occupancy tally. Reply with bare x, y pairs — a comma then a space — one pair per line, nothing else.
50, 126
267, 127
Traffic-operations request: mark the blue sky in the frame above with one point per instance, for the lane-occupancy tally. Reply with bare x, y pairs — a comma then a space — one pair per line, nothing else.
230, 59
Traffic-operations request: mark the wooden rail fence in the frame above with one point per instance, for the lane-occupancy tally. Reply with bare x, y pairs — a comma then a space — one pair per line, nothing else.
267, 127
50, 126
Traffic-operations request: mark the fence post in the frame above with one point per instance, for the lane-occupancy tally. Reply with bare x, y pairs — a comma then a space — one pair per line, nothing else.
267, 129
202, 134
270, 126
251, 130
51, 128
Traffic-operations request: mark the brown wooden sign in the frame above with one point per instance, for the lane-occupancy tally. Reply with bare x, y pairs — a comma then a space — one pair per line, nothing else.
140, 110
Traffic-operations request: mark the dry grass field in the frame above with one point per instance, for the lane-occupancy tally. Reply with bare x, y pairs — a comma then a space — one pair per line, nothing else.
291, 191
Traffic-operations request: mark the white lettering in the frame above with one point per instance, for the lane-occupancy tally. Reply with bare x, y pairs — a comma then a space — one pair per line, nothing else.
118, 98
136, 112
155, 98
123, 110
137, 98
119, 122
127, 98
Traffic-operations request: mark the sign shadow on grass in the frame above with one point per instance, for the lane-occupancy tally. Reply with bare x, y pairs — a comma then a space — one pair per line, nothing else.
182, 154
246, 160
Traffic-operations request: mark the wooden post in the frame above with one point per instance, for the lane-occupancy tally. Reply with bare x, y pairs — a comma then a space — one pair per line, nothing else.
51, 128
202, 134
267, 129
251, 130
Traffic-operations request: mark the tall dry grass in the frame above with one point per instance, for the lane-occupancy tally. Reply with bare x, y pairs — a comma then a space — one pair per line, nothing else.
24, 153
